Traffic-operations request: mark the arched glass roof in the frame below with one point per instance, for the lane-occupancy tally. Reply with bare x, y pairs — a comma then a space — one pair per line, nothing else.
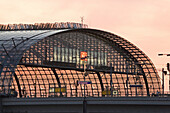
46, 63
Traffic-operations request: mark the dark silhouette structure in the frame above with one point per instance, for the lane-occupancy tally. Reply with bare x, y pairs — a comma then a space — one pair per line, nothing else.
45, 62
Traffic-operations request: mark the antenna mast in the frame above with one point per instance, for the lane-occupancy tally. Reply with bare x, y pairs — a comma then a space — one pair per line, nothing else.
82, 19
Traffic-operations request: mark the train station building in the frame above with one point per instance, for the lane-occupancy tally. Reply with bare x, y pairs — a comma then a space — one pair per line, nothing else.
46, 60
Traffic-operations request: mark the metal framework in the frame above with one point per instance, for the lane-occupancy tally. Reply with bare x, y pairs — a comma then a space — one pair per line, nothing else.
46, 63
42, 26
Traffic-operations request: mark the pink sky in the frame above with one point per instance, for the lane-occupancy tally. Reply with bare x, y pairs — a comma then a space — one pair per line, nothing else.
146, 23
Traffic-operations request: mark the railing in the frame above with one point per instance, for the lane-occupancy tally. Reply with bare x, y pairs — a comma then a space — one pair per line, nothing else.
42, 26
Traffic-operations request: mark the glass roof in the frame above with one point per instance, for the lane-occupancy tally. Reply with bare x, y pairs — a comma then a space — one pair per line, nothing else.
6, 35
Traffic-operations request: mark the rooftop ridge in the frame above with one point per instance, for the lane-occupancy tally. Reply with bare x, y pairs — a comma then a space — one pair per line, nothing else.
42, 26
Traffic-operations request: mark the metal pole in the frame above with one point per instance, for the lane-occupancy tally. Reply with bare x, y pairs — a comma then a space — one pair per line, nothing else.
84, 79
163, 81
136, 78
84, 101
111, 79
127, 69
76, 87
84, 106
35, 85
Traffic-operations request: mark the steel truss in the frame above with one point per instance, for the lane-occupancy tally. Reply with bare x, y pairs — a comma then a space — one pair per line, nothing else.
33, 65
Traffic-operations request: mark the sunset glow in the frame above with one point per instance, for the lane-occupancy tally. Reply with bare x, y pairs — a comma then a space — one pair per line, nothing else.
145, 23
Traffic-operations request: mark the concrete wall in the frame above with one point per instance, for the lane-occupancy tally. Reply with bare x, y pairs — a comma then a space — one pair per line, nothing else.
94, 105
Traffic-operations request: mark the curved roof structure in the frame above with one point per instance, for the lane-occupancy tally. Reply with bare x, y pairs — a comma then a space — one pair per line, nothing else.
45, 63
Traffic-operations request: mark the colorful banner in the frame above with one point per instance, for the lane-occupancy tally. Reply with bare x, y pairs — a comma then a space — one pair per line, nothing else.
83, 56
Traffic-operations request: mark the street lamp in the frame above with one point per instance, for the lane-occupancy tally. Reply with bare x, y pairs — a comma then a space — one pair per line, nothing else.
163, 54
83, 57
164, 72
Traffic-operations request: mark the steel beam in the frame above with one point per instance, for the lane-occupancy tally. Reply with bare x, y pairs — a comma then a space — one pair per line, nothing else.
18, 84
100, 79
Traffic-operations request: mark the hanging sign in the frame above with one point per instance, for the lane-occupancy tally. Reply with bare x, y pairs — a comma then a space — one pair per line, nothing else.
83, 56
84, 82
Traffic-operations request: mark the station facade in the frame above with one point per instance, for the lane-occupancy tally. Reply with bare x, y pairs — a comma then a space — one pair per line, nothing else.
45, 61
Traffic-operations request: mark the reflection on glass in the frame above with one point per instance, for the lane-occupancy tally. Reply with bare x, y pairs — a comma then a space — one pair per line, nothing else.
63, 54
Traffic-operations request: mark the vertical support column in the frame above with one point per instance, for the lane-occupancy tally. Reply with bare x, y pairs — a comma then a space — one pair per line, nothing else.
35, 84
84, 100
146, 83
111, 83
56, 76
127, 69
1, 107
100, 79
19, 87
84, 106
163, 81
45, 47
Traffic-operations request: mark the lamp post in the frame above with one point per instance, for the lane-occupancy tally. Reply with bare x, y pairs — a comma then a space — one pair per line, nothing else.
127, 71
136, 70
83, 57
111, 80
164, 72
84, 101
